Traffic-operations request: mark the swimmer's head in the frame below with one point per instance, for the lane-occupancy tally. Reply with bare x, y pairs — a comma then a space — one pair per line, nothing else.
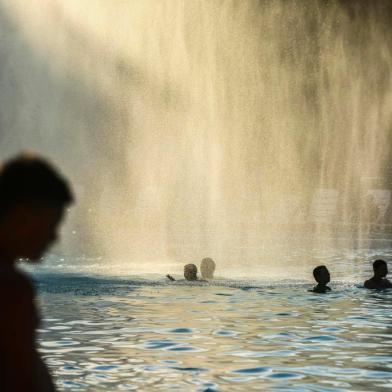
380, 268
190, 272
33, 197
321, 274
207, 268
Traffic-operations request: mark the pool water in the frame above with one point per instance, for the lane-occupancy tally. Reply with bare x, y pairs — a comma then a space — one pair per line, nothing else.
145, 334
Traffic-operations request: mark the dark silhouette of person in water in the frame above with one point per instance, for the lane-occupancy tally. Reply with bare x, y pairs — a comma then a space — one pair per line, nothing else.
379, 280
207, 268
33, 197
190, 274
322, 277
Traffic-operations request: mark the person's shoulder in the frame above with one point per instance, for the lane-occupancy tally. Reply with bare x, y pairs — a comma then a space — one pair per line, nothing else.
15, 282
369, 284
16, 276
17, 310
320, 289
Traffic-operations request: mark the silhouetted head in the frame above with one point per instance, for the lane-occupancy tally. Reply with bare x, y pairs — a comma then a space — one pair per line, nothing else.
321, 274
207, 268
33, 196
190, 272
380, 268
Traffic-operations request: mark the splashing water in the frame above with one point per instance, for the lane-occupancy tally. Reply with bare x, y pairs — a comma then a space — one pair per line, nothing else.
240, 130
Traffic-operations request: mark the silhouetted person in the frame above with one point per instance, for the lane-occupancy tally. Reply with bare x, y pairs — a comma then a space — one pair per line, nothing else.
322, 277
190, 274
379, 280
207, 268
32, 201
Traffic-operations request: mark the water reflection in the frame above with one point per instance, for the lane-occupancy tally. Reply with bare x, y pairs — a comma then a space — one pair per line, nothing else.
210, 338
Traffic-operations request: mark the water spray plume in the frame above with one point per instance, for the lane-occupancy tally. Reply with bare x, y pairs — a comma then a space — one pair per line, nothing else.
204, 128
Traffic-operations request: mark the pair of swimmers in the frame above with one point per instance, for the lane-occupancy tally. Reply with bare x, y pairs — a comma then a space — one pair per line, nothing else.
377, 282
207, 269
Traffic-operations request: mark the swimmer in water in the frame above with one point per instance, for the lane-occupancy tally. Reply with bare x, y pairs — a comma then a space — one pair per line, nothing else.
379, 280
207, 268
322, 277
190, 274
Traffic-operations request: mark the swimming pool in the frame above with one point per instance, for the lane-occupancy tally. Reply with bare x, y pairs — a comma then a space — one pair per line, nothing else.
101, 333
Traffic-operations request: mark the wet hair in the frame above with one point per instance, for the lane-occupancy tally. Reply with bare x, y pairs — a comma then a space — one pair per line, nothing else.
190, 271
207, 267
379, 263
318, 271
209, 261
27, 178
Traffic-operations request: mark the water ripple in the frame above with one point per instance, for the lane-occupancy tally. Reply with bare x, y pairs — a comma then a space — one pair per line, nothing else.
176, 337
